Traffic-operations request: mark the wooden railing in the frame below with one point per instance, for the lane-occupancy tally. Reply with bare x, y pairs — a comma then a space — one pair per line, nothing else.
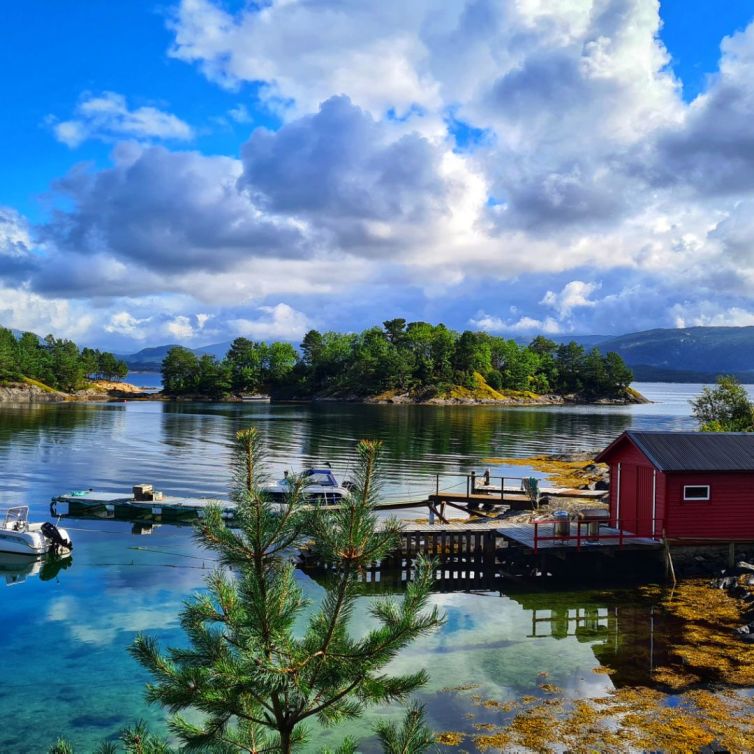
584, 535
480, 483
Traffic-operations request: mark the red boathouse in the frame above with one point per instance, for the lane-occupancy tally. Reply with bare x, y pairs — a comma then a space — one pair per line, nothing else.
687, 485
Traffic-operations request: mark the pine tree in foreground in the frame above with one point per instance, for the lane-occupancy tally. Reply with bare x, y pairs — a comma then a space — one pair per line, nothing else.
255, 681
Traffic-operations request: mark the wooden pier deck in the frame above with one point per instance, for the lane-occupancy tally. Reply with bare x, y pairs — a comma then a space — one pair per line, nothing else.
124, 504
514, 498
538, 536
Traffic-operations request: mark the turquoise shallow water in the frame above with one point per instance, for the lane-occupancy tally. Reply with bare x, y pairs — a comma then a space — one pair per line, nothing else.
64, 663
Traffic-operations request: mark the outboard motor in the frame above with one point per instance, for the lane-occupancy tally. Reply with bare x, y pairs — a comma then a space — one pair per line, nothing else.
54, 535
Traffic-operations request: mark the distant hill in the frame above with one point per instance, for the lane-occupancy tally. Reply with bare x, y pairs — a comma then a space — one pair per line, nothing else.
706, 350
150, 359
218, 350
646, 373
146, 360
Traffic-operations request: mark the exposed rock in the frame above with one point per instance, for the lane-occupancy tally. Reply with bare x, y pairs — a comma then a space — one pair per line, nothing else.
97, 390
22, 392
106, 390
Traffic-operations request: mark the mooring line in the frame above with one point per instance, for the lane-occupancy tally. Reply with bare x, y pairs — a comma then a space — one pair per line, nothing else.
170, 552
149, 565
96, 531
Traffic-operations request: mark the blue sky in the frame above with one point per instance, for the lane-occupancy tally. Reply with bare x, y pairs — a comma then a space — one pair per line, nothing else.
192, 171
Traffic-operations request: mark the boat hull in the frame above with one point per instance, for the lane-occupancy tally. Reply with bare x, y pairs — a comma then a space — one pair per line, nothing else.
23, 543
315, 498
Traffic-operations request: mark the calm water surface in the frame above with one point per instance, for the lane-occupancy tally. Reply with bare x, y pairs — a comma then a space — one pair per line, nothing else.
64, 665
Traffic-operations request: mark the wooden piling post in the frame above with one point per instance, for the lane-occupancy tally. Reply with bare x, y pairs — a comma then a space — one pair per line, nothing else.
669, 557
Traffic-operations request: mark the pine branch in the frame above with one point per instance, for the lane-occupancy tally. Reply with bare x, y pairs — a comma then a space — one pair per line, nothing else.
413, 737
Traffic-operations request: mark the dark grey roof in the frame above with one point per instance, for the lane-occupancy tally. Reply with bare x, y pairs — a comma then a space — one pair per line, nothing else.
697, 451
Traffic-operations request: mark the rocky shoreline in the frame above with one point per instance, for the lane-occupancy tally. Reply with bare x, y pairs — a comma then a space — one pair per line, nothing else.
26, 393
99, 390
738, 583
540, 400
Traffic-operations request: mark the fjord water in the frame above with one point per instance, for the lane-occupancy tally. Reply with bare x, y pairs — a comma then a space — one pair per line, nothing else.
64, 664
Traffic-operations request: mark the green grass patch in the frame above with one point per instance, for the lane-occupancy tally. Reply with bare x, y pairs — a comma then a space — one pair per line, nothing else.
38, 384
482, 391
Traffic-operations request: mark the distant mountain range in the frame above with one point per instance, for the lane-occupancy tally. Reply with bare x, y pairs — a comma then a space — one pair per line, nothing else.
150, 359
692, 354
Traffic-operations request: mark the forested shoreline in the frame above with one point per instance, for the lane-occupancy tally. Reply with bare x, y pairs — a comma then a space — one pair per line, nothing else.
416, 361
55, 362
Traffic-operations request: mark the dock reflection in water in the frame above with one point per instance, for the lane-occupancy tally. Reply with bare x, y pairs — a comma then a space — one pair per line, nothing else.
625, 630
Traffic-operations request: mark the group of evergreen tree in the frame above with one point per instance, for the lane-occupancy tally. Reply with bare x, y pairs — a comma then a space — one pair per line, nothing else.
54, 361
247, 368
406, 357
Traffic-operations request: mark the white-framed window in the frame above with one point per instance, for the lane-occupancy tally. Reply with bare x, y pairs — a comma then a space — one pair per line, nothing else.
694, 492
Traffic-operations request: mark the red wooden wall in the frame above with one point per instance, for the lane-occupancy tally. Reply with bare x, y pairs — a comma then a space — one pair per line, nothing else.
728, 515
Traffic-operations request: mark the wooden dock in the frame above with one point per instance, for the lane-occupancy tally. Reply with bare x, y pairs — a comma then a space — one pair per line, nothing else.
482, 499
544, 535
513, 498
123, 505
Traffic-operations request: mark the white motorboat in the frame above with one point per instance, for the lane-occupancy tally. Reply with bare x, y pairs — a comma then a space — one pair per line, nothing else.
320, 486
18, 535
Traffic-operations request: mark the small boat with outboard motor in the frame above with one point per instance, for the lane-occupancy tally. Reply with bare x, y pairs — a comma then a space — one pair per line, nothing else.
19, 535
320, 486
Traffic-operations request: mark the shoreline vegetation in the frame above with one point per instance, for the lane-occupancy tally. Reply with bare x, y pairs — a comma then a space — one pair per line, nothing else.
402, 362
45, 370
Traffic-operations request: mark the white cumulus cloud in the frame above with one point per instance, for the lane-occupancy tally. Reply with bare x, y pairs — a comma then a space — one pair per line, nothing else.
124, 323
107, 117
448, 157
573, 296
522, 326
279, 322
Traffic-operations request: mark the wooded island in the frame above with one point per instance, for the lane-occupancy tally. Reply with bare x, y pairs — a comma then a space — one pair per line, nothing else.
413, 361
